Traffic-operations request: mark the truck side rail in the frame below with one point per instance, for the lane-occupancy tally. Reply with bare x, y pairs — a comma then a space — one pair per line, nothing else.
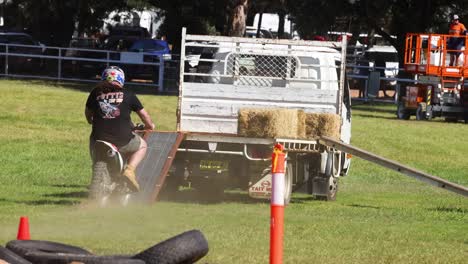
290, 145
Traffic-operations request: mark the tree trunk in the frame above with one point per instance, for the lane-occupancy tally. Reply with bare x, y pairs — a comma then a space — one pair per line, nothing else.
282, 18
259, 25
238, 18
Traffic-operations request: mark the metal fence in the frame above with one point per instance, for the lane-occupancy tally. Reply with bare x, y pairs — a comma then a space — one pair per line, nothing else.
85, 65
146, 69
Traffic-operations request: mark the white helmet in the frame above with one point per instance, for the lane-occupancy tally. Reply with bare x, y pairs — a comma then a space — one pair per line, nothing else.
114, 75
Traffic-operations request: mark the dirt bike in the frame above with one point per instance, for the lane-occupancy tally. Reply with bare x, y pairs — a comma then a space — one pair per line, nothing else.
107, 183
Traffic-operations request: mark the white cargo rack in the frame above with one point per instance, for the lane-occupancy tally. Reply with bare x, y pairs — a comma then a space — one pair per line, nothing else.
221, 75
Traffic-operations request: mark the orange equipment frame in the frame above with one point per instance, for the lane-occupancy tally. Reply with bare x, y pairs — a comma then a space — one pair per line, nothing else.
428, 54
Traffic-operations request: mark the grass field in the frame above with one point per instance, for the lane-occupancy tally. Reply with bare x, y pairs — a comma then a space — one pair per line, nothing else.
380, 216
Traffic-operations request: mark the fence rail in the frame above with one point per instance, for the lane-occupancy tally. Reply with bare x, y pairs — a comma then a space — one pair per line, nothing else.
82, 65
158, 72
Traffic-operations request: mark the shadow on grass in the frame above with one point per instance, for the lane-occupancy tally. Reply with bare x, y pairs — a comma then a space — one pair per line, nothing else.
42, 202
372, 106
449, 210
79, 194
375, 116
69, 185
301, 200
194, 196
364, 206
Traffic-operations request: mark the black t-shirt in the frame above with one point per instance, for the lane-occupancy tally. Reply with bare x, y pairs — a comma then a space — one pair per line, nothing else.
111, 114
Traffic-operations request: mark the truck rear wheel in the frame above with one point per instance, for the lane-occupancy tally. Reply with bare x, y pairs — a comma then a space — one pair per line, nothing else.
211, 190
332, 189
402, 111
323, 185
288, 181
420, 112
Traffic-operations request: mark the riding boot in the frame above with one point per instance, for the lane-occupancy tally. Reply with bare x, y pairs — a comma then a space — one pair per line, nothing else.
129, 176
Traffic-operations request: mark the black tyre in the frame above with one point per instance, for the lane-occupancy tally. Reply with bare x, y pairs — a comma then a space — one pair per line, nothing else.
101, 181
211, 190
11, 257
63, 258
331, 191
22, 247
420, 113
451, 119
184, 248
288, 181
323, 185
402, 112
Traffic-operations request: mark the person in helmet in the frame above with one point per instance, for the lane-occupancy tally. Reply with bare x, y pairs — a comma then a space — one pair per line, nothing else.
108, 110
456, 43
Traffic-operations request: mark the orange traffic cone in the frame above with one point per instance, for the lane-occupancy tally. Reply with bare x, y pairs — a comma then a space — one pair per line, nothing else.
23, 229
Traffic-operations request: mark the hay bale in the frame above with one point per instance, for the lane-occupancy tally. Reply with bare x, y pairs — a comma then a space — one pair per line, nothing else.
271, 123
322, 124
301, 124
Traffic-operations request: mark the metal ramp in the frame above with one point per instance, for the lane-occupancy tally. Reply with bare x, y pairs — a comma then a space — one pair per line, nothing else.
152, 171
419, 175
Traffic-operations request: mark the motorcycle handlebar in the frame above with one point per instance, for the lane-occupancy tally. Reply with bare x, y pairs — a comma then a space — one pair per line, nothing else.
139, 127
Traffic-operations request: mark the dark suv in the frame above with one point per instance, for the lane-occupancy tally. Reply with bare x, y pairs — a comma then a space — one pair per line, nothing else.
15, 48
80, 58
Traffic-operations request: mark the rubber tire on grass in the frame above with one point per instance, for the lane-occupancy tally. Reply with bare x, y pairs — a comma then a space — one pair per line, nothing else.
402, 112
11, 257
420, 114
100, 181
63, 258
184, 248
22, 247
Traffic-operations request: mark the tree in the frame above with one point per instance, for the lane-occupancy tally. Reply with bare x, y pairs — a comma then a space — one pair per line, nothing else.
54, 21
237, 18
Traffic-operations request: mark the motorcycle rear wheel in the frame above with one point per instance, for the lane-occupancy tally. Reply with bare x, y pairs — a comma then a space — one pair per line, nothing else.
100, 183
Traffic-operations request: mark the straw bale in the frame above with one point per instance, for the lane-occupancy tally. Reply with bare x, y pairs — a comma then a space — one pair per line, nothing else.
271, 123
322, 124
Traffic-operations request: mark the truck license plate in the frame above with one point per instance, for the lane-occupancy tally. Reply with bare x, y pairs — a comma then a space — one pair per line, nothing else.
215, 165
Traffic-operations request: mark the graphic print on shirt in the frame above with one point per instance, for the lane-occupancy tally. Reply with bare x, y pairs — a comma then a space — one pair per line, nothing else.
109, 104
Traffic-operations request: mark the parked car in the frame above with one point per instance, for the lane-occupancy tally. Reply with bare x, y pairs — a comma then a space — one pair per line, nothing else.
20, 44
153, 46
79, 50
145, 51
121, 38
130, 31
251, 32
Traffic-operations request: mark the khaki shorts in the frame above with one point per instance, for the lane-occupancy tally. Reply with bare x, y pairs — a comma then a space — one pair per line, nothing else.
132, 146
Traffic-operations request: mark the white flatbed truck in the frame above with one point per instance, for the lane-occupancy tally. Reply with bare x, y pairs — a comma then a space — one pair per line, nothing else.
221, 75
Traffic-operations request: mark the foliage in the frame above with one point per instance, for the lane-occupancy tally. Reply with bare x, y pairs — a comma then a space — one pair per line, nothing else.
54, 21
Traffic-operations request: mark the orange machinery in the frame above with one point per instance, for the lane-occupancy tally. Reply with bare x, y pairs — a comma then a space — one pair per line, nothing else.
439, 89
